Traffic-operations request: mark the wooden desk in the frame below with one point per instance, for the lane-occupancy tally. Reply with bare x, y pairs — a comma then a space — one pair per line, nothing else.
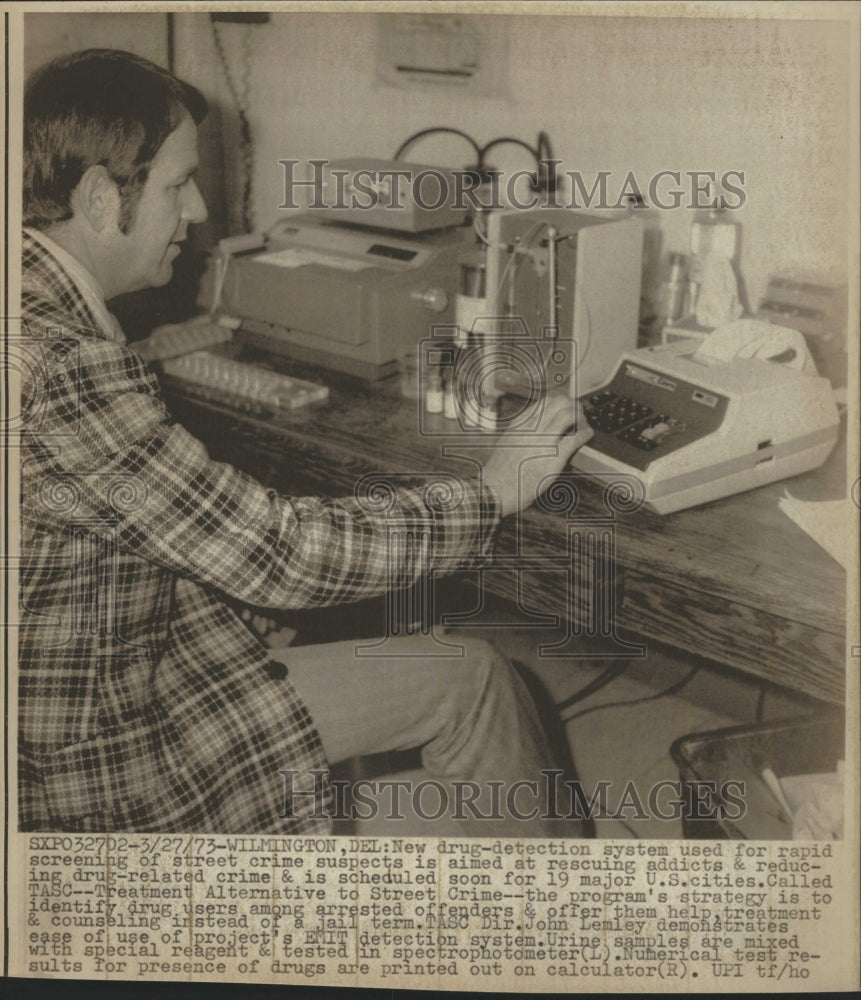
735, 581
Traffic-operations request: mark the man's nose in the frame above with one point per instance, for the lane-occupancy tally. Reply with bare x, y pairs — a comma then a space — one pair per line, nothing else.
194, 207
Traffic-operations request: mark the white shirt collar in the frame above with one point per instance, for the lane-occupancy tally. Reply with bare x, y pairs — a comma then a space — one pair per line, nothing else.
86, 285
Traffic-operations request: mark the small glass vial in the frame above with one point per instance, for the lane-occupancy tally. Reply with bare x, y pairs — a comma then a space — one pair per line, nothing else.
433, 391
450, 401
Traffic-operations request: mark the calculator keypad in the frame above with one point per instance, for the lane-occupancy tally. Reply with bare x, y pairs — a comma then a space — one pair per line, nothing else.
632, 422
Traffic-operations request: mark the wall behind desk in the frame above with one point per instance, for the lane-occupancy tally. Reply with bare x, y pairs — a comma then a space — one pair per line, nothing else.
767, 97
644, 94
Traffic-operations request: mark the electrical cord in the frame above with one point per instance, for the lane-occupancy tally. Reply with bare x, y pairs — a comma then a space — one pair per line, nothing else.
542, 152
510, 265
241, 100
545, 150
437, 129
581, 359
672, 689
602, 680
546, 162
506, 140
476, 228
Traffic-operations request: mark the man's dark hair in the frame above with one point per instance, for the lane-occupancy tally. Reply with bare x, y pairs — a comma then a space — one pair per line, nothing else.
101, 106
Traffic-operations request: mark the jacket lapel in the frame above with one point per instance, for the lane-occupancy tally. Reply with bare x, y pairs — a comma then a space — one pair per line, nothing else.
45, 280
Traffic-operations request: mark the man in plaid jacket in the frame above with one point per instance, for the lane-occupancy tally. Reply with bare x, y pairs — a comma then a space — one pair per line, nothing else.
145, 702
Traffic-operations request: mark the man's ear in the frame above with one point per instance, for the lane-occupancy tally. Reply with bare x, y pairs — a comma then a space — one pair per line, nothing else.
97, 198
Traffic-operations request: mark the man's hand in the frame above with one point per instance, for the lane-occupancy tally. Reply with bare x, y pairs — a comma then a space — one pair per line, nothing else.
514, 474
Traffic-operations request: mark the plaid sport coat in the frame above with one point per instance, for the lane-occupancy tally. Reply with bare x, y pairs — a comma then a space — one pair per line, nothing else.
145, 703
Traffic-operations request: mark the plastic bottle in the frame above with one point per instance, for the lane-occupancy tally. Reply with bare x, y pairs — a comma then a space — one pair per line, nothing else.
674, 289
712, 232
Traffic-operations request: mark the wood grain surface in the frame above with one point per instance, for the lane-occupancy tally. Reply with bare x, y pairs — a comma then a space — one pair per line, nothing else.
734, 581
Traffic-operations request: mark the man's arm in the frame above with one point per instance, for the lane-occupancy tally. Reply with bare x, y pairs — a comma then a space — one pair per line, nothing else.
107, 425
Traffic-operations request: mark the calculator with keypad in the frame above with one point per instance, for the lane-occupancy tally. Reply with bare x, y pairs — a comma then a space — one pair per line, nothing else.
642, 414
681, 428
